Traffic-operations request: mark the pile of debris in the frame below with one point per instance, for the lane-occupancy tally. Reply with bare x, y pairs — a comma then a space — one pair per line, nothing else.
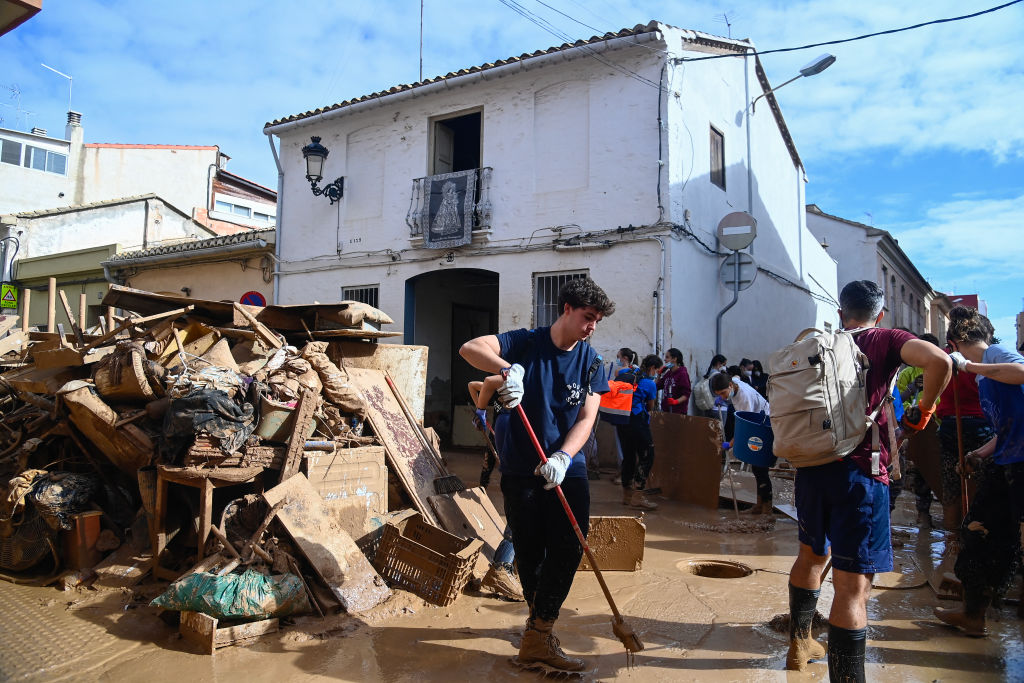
264, 459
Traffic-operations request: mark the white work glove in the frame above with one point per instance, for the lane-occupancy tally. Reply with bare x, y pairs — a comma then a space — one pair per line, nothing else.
511, 392
958, 360
554, 469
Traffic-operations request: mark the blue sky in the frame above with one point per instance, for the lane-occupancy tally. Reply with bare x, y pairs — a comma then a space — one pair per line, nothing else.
918, 133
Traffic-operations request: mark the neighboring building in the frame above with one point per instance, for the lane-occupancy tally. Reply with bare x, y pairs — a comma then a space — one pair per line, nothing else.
221, 268
113, 196
70, 244
863, 252
13, 13
971, 301
471, 197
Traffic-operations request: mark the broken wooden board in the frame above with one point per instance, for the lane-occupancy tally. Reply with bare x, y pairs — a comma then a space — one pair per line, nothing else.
46, 382
687, 458
413, 463
7, 323
15, 341
617, 544
353, 483
209, 633
122, 568
65, 357
471, 514
330, 549
406, 364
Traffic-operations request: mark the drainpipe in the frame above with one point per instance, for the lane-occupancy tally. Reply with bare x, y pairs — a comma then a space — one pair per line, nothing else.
280, 216
145, 224
659, 299
750, 158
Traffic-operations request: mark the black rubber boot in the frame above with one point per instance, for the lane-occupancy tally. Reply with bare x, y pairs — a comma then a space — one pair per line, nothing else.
846, 654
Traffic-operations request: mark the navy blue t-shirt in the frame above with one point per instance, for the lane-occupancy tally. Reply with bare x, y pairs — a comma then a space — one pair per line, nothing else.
554, 388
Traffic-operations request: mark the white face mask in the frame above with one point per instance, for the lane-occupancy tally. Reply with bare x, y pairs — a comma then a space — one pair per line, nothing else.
732, 392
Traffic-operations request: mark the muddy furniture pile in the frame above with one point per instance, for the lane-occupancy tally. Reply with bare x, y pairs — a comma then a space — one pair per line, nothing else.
264, 460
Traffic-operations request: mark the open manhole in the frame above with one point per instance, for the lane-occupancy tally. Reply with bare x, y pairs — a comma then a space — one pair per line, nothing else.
716, 569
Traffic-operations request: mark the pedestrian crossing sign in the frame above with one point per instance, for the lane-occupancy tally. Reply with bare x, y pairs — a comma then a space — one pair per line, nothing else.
8, 296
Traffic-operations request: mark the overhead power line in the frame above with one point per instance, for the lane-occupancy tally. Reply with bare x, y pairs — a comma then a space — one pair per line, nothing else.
866, 35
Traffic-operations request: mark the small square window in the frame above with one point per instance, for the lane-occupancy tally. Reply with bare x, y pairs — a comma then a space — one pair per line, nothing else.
35, 158
717, 158
545, 295
367, 294
10, 152
56, 163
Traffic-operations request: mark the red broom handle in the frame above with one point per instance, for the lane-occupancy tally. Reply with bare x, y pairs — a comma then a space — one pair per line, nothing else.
572, 517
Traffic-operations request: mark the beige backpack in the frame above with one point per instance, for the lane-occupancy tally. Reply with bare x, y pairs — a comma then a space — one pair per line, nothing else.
818, 393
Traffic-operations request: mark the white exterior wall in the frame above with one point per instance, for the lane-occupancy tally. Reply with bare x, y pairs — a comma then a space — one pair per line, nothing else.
571, 143
119, 223
29, 189
768, 314
179, 176
856, 254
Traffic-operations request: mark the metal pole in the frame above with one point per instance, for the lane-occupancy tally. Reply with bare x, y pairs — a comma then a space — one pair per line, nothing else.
735, 298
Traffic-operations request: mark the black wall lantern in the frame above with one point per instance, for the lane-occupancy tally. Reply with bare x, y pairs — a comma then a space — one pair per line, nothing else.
315, 153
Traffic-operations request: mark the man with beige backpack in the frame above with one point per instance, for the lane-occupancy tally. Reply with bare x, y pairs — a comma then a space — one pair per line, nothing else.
827, 394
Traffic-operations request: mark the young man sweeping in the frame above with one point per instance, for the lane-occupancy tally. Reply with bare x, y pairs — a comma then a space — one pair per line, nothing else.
843, 506
558, 377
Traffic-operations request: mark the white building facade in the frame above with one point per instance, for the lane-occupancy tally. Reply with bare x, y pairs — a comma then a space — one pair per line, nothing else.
610, 158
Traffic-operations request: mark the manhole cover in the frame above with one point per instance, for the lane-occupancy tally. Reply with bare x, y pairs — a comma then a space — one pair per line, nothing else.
715, 569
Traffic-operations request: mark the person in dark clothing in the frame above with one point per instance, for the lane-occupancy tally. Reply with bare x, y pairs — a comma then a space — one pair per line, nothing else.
759, 379
635, 437
717, 364
991, 532
558, 377
674, 381
843, 506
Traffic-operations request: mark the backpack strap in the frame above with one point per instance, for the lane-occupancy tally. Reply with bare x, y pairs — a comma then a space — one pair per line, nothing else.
876, 446
807, 332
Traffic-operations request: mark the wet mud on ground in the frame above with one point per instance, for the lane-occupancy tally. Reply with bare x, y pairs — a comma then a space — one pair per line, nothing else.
694, 627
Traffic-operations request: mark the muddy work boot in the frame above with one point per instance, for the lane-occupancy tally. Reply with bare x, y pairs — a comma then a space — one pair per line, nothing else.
759, 508
971, 623
640, 501
501, 580
924, 520
540, 646
802, 646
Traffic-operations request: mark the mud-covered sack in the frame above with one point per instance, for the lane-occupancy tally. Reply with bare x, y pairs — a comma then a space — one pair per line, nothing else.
205, 411
60, 495
250, 595
338, 387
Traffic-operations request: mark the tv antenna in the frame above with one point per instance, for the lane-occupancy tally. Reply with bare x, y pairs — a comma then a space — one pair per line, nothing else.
724, 18
59, 73
20, 115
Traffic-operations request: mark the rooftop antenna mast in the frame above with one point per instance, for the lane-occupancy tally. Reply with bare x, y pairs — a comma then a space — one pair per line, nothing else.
421, 40
723, 18
70, 81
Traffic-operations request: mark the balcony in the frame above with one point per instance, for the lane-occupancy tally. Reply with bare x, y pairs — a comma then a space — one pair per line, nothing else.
450, 209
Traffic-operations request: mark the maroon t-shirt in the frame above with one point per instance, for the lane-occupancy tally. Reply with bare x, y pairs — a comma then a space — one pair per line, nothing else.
882, 347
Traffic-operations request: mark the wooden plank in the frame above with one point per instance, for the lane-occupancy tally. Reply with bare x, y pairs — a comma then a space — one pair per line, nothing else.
200, 629
16, 341
687, 458
82, 310
471, 514
51, 306
26, 306
71, 318
57, 358
330, 549
7, 323
407, 365
617, 544
308, 403
123, 568
237, 634
411, 461
261, 330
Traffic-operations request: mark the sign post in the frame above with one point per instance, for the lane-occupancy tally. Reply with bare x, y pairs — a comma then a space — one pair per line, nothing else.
736, 231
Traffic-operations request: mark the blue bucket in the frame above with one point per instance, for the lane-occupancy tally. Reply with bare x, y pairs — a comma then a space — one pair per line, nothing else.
752, 439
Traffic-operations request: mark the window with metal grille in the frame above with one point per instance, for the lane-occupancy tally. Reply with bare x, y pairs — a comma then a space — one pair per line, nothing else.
545, 295
717, 157
367, 294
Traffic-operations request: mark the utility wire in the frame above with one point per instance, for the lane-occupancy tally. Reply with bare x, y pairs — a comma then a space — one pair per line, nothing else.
850, 40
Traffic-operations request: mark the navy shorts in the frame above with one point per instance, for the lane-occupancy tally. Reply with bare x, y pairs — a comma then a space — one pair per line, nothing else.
838, 505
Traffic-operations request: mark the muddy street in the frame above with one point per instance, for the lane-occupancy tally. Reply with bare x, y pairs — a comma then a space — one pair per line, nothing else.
694, 627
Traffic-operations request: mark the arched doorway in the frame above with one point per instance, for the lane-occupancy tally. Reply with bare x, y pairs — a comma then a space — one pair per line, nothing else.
444, 309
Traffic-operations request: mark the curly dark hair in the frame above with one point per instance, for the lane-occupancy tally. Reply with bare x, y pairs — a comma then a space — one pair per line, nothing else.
968, 325
582, 292
651, 361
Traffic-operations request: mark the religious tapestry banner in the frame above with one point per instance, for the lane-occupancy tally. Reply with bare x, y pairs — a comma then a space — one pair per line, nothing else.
448, 203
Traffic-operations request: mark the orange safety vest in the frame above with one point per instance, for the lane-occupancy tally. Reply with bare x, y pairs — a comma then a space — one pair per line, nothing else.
617, 404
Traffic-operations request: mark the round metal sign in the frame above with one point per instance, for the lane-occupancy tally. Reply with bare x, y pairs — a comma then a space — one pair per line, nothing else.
737, 230
253, 299
748, 270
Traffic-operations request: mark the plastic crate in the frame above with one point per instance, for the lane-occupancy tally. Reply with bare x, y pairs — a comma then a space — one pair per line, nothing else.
428, 561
